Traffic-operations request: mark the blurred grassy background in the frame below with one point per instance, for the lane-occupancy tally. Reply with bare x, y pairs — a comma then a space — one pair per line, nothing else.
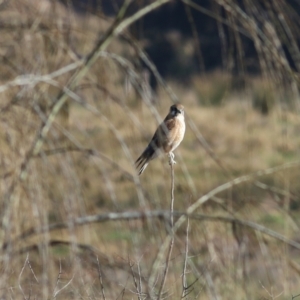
85, 167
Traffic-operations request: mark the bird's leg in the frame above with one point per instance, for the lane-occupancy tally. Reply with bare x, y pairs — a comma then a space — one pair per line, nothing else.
171, 158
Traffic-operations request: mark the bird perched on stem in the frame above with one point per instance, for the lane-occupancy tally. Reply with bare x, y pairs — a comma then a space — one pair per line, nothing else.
166, 139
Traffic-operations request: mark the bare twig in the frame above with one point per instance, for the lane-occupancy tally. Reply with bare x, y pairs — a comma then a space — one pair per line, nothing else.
65, 286
140, 277
20, 276
100, 279
270, 293
58, 278
32, 79
159, 214
184, 282
30, 267
172, 234
138, 291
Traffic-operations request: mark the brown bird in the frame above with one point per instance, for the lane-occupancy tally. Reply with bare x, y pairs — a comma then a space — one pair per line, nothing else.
166, 139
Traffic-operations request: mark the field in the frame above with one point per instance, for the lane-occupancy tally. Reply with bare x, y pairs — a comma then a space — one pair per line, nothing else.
77, 222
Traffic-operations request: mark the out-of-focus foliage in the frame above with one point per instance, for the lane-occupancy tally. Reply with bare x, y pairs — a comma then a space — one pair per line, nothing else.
76, 220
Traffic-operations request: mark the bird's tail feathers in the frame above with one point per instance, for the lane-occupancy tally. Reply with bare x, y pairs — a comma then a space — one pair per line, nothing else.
142, 162
143, 167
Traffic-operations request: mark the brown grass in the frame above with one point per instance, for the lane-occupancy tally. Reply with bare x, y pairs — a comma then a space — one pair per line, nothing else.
85, 167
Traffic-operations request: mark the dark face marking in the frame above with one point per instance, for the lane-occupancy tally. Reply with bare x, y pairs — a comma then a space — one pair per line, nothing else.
175, 111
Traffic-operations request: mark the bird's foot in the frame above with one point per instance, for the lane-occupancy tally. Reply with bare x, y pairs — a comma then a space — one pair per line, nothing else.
171, 159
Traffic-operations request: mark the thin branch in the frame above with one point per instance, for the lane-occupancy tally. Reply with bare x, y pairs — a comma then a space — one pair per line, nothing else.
168, 258
184, 282
100, 279
32, 79
138, 292
58, 278
147, 9
270, 294
20, 276
30, 267
65, 286
160, 215
140, 277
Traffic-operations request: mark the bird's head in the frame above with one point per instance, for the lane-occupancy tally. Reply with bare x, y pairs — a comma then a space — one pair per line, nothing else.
177, 109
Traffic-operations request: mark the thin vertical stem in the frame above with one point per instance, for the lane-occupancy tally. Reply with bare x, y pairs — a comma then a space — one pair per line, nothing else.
184, 282
172, 197
172, 232
100, 279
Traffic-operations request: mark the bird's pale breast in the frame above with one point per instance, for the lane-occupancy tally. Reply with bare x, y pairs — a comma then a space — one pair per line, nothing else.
176, 134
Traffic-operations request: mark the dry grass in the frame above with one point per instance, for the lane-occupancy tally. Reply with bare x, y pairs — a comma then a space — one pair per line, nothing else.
85, 167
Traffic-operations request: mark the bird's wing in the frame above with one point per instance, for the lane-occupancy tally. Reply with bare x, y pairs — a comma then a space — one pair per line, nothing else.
170, 124
163, 133
164, 129
151, 150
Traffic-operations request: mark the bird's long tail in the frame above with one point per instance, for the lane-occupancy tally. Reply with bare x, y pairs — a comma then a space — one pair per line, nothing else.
143, 161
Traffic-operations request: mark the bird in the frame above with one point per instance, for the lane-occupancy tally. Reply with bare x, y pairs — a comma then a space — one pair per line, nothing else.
166, 138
